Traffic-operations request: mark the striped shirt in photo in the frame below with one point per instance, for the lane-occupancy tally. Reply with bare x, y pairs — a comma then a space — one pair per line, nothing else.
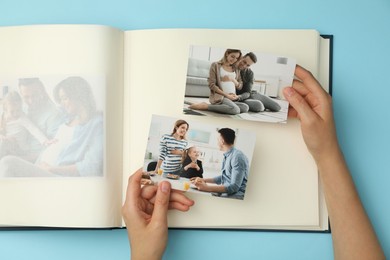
171, 162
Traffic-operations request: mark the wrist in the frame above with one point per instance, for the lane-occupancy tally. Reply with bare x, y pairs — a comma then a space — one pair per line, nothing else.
141, 251
327, 151
143, 256
331, 159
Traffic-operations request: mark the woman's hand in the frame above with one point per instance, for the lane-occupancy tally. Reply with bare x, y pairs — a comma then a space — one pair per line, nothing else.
313, 106
145, 215
232, 96
352, 233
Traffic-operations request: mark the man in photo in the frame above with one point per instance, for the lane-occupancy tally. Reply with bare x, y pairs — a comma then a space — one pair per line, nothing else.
41, 110
245, 94
235, 168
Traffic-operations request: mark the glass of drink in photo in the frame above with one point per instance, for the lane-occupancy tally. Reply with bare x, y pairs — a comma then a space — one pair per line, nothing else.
186, 185
160, 171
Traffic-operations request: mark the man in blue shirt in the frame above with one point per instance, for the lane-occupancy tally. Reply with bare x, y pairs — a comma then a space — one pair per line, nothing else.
235, 168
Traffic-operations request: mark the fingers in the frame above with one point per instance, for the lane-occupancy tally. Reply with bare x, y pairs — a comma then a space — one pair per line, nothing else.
130, 211
180, 197
301, 107
134, 186
161, 204
309, 81
292, 112
178, 206
307, 98
177, 200
149, 192
300, 87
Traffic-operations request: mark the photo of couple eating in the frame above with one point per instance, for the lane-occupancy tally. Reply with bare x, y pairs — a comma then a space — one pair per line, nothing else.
233, 88
50, 136
205, 159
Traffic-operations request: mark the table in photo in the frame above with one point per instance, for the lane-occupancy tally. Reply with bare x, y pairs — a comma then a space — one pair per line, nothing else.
178, 184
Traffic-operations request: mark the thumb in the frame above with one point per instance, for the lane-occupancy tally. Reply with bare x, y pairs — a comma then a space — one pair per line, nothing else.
161, 203
305, 112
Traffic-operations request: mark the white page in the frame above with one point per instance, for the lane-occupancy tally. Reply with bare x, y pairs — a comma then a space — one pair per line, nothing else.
44, 51
283, 182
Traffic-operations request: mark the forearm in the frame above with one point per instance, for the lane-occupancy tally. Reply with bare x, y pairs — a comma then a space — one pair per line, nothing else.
353, 235
141, 250
209, 180
215, 188
142, 256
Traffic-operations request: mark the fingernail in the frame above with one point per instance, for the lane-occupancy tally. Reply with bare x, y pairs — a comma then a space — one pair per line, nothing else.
165, 187
290, 91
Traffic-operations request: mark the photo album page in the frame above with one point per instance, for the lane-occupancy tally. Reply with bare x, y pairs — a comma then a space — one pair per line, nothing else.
60, 163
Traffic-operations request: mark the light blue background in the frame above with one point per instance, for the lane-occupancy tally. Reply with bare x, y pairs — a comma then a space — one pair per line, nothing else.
361, 99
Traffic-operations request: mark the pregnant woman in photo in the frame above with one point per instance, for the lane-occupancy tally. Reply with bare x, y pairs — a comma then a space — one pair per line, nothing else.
77, 148
224, 80
172, 147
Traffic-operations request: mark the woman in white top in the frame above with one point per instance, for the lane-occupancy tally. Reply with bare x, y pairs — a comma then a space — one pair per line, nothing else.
224, 79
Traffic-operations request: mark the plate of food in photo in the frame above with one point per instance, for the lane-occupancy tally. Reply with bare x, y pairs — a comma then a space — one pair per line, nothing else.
172, 176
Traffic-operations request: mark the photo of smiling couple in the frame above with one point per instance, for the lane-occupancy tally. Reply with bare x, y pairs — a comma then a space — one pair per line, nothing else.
198, 157
232, 82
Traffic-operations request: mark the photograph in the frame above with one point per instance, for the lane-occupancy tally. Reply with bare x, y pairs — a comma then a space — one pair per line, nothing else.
235, 83
52, 126
213, 160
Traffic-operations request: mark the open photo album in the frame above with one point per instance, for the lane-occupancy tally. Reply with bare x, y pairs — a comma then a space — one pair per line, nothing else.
84, 106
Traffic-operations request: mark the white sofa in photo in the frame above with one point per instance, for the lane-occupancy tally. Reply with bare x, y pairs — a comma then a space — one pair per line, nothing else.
197, 75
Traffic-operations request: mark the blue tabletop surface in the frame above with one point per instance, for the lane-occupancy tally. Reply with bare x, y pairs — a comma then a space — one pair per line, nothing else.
361, 92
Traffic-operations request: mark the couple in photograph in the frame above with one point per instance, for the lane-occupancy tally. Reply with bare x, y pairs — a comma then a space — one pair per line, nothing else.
47, 141
176, 159
230, 82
